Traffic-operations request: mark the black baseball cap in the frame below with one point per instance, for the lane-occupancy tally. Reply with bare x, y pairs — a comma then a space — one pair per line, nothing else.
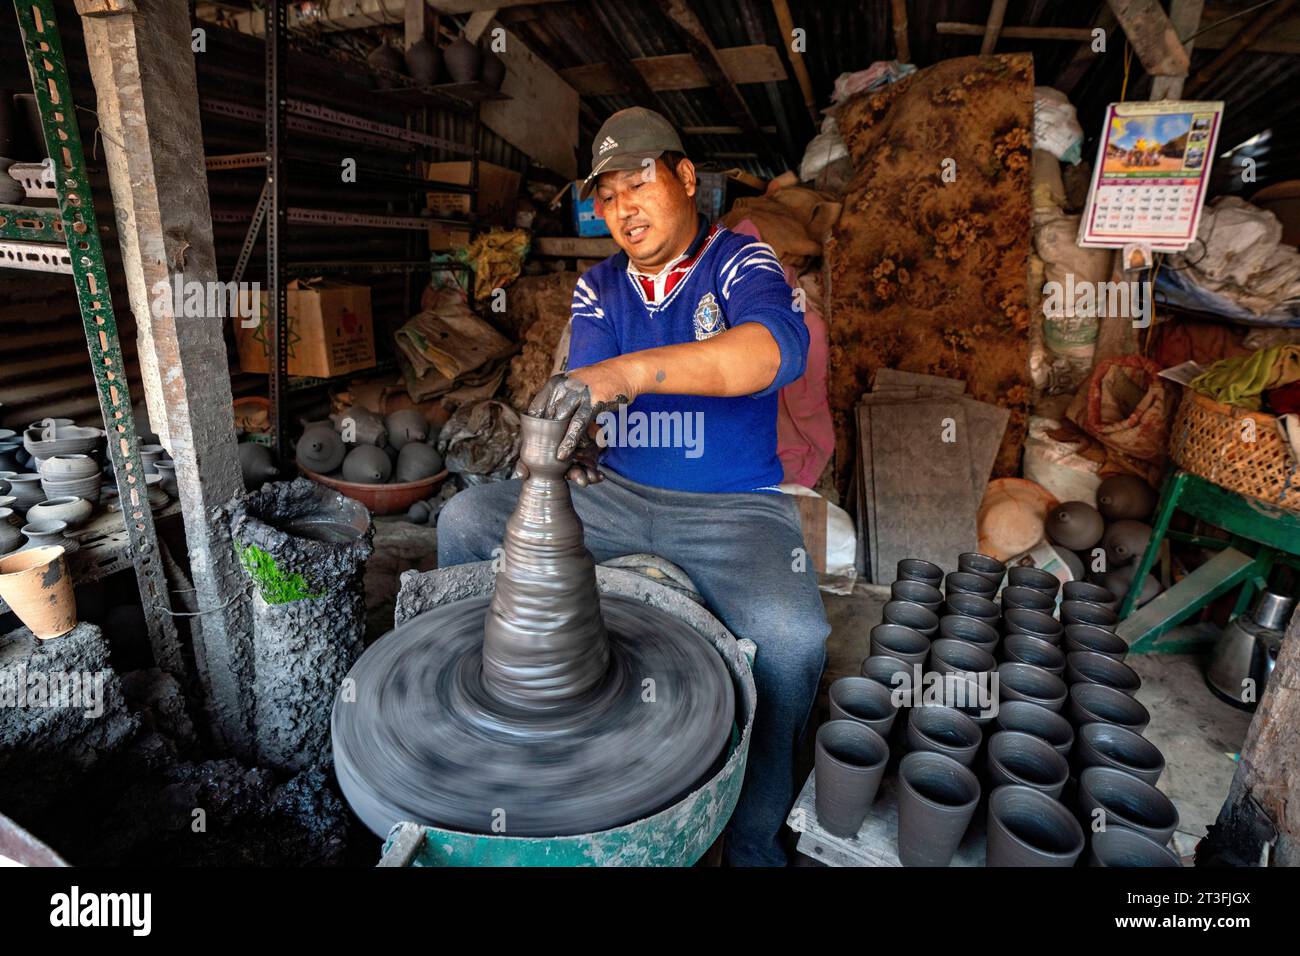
626, 140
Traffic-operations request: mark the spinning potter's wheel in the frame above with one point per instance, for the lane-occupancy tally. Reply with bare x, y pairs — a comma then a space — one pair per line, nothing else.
546, 710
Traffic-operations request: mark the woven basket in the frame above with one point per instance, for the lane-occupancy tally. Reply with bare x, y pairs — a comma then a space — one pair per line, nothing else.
1212, 440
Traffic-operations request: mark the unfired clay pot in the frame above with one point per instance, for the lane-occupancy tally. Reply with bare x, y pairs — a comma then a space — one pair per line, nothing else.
320, 449
1026, 682
405, 426
1027, 649
972, 630
1108, 745
494, 69
1125, 541
850, 762
1126, 801
1026, 760
256, 463
1121, 579
424, 62
1022, 716
916, 569
36, 586
944, 730
1096, 703
386, 57
1026, 827
1120, 846
167, 471
887, 670
864, 701
10, 539
417, 461
462, 60
367, 465
895, 640
1122, 497
1075, 525
74, 511
936, 800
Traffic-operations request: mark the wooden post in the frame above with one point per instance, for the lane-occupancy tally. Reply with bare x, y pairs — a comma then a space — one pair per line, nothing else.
1152, 36
993, 28
1262, 807
148, 106
902, 47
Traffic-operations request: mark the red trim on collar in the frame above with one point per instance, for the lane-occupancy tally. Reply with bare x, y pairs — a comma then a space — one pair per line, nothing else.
680, 270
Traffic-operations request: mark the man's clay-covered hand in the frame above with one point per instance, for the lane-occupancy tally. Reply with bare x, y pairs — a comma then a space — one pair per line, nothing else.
579, 396
583, 472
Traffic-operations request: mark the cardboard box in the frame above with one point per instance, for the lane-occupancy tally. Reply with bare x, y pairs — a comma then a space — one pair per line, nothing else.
498, 194
331, 331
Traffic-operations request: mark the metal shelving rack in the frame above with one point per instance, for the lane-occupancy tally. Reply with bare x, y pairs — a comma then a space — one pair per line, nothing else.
282, 116
65, 239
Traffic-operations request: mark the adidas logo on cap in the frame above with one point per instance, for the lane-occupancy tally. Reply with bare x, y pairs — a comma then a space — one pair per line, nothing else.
608, 144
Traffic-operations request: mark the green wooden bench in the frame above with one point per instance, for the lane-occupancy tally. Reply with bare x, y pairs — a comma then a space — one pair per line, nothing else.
1261, 536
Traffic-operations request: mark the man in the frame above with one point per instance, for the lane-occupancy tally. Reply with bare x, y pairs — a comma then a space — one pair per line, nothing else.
694, 330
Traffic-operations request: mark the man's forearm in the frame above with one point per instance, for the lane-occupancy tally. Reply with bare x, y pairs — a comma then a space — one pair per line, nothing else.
740, 361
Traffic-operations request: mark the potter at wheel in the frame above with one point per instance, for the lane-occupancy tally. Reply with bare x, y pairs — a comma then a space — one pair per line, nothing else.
533, 715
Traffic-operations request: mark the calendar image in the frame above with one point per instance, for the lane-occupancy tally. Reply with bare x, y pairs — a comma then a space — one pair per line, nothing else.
1152, 170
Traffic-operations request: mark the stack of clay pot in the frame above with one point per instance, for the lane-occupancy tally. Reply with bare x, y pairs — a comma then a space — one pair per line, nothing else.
1004, 704
363, 448
1104, 544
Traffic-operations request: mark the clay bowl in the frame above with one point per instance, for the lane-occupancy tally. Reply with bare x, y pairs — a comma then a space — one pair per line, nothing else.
1108, 745
948, 656
69, 467
1086, 612
26, 490
972, 630
88, 487
1026, 649
865, 701
944, 730
1126, 801
1097, 703
1087, 667
1032, 599
67, 440
1036, 578
1027, 718
908, 614
1023, 759
916, 592
986, 566
968, 582
1098, 640
894, 640
75, 511
888, 670
1120, 846
1039, 624
389, 499
1027, 682
915, 569
972, 605
1093, 593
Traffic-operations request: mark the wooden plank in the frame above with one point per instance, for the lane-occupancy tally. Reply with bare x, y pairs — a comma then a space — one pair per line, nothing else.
951, 28
993, 28
594, 247
360, 14
541, 117
478, 23
924, 506
1185, 15
417, 20
876, 842
1152, 36
592, 28
786, 24
866, 494
1215, 577
679, 71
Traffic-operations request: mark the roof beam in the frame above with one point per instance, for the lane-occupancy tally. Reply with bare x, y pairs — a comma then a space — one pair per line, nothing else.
898, 13
1185, 15
1070, 75
1239, 44
786, 23
478, 23
993, 28
705, 54
1152, 36
362, 14
949, 28
679, 71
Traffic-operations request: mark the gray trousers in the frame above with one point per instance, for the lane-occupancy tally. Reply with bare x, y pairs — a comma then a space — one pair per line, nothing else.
744, 551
